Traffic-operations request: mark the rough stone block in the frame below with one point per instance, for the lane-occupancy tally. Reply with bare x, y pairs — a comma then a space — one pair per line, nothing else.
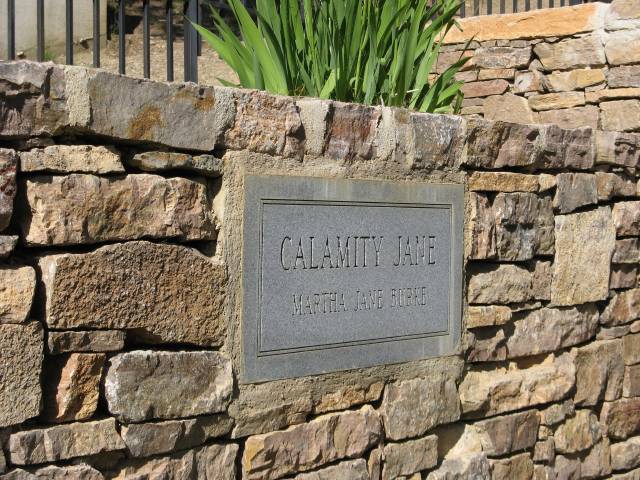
21, 357
348, 397
7, 245
407, 458
626, 216
584, 244
491, 73
627, 251
485, 393
349, 470
631, 382
481, 224
493, 145
569, 118
529, 81
304, 447
486, 345
162, 293
625, 76
72, 158
509, 433
17, 287
52, 472
143, 385
617, 148
79, 209
578, 433
63, 442
85, 341
577, 79
555, 101
254, 417
501, 57
599, 372
437, 141
8, 187
206, 165
571, 149
623, 308
411, 408
623, 47
73, 387
503, 182
620, 115
574, 190
626, 455
146, 439
573, 53
631, 349
518, 466
351, 131
485, 88
487, 316
621, 418
552, 330
613, 185
508, 108
597, 462
499, 284
212, 462
623, 276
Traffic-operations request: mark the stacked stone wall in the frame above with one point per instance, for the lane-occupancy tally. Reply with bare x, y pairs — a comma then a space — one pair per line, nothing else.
121, 207
573, 66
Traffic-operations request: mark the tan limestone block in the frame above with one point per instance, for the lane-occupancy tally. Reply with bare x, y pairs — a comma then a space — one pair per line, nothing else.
72, 158
17, 289
554, 101
508, 108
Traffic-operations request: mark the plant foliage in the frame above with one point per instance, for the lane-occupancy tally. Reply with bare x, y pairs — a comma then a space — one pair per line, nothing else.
365, 51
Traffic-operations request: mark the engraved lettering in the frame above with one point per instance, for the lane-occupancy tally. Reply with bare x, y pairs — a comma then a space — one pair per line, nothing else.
432, 250
378, 249
327, 254
299, 256
312, 266
284, 240
343, 254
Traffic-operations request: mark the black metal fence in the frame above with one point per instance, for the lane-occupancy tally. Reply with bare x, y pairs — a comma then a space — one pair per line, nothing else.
192, 10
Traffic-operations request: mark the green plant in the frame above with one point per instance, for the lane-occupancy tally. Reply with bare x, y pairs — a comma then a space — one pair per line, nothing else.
366, 51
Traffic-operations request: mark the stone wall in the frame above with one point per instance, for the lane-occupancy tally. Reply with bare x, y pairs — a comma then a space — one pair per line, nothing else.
121, 211
573, 66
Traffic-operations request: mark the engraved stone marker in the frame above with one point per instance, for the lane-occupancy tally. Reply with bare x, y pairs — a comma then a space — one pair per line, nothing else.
339, 274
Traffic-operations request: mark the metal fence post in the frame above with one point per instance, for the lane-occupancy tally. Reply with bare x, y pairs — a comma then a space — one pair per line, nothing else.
96, 33
11, 29
40, 30
69, 31
122, 67
169, 25
146, 33
190, 41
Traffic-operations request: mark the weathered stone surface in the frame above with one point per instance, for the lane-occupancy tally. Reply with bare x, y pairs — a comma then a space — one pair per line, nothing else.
599, 372
554, 101
575, 79
625, 76
486, 345
471, 466
622, 47
350, 470
613, 332
146, 439
162, 293
612, 94
486, 316
79, 209
627, 251
212, 462
518, 466
529, 81
350, 131
544, 451
620, 115
73, 387
494, 145
623, 276
20, 366
7, 245
85, 341
631, 349
411, 408
631, 382
623, 308
584, 247
52, 472
8, 187
142, 385
348, 397
484, 393
621, 418
571, 149
524, 226
485, 88
597, 462
612, 185
304, 447
626, 455
71, 158
509, 433
64, 441
568, 468
578, 433
501, 57
620, 12
527, 25
491, 73
626, 216
499, 284
17, 287
437, 141
206, 165
632, 475
556, 413
550, 329
587, 116
571, 53
508, 108
503, 182
404, 459
254, 416
574, 190
481, 225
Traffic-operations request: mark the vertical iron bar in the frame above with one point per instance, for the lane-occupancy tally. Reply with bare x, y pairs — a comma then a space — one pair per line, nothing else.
40, 30
11, 29
96, 33
489, 7
146, 40
514, 7
527, 5
69, 30
169, 21
190, 42
539, 4
503, 6
463, 8
199, 22
550, 3
476, 8
121, 39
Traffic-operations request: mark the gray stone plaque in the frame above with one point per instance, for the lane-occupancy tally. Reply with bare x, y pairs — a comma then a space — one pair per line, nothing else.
340, 274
